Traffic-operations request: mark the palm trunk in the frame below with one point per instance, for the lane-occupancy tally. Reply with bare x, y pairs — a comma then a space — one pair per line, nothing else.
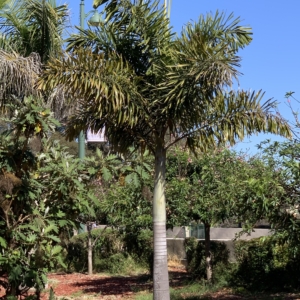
90, 249
161, 289
207, 252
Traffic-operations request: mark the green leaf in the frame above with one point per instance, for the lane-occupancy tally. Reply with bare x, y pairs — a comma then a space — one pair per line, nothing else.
3, 243
106, 174
56, 250
51, 227
62, 223
54, 238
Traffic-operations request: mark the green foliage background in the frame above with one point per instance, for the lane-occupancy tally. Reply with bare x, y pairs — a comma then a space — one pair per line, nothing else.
266, 264
116, 251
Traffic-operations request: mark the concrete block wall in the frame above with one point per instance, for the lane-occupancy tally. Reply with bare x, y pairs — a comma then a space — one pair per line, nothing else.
176, 237
230, 233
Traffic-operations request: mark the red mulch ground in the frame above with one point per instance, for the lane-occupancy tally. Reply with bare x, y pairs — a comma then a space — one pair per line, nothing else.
77, 286
98, 286
105, 287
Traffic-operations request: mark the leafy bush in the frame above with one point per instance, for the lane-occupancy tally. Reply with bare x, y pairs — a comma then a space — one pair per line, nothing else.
140, 246
262, 264
115, 263
114, 252
195, 252
118, 263
109, 242
43, 189
267, 265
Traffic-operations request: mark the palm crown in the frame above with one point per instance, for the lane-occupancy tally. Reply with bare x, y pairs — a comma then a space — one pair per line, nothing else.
33, 26
30, 33
140, 81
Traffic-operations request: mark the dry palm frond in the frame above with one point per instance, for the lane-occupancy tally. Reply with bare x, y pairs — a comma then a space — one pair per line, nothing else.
59, 102
18, 75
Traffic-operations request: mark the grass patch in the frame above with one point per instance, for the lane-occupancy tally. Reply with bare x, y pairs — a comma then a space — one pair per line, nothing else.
119, 264
203, 291
77, 294
144, 296
191, 291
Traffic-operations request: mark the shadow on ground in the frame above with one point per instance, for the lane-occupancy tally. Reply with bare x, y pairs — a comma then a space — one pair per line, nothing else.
121, 285
99, 286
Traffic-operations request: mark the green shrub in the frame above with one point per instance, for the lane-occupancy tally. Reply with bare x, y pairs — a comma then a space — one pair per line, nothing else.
255, 261
118, 263
114, 251
114, 264
75, 258
265, 264
195, 252
109, 242
140, 246
262, 264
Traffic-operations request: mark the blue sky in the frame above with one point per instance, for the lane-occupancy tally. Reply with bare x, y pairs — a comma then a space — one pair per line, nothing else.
271, 62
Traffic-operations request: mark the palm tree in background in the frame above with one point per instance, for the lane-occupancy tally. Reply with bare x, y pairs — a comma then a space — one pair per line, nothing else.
147, 88
34, 26
31, 32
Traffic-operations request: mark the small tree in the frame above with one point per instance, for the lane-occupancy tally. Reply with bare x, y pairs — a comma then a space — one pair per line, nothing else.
220, 185
121, 184
105, 168
206, 183
283, 215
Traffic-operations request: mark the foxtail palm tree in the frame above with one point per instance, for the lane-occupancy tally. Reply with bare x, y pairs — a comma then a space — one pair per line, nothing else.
30, 33
34, 26
147, 88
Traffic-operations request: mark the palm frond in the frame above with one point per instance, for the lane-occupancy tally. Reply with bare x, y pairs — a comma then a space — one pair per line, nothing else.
18, 75
131, 78
229, 118
3, 3
6, 44
138, 39
205, 58
105, 87
97, 3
